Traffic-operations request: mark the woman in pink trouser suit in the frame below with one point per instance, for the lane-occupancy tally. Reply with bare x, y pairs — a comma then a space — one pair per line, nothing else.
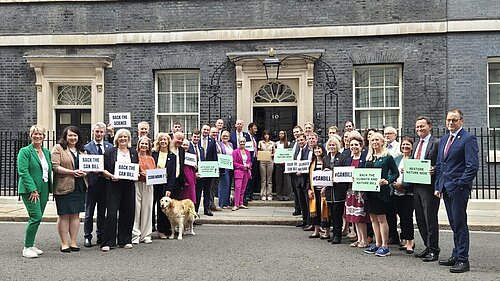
242, 173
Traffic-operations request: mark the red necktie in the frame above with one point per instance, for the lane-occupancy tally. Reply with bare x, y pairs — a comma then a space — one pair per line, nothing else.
419, 151
448, 144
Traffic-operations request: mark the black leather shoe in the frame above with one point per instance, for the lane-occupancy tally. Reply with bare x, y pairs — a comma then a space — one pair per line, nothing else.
430, 257
423, 253
449, 262
65, 250
296, 213
336, 240
208, 213
308, 228
460, 267
74, 249
87, 243
197, 223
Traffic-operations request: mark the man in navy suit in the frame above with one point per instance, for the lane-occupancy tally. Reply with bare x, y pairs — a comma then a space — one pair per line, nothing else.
426, 204
194, 148
301, 152
456, 167
238, 133
209, 154
96, 192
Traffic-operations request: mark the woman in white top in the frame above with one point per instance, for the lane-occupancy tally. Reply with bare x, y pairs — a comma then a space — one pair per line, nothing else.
266, 167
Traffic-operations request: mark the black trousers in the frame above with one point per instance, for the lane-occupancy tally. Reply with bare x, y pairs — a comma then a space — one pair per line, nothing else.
392, 221
426, 213
96, 195
120, 197
203, 184
404, 209
162, 224
336, 217
296, 202
282, 180
303, 202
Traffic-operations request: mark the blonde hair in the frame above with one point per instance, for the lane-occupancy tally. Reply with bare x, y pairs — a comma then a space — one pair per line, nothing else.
37, 128
335, 141
139, 144
121, 132
369, 156
157, 141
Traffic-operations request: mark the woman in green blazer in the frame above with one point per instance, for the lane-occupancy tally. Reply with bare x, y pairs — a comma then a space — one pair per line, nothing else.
35, 183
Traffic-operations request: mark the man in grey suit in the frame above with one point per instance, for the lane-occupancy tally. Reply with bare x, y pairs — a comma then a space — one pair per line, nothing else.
96, 191
426, 204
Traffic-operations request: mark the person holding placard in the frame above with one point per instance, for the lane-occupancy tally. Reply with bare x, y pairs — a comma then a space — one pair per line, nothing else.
336, 194
283, 183
142, 229
225, 174
355, 203
161, 151
376, 203
297, 130
190, 177
318, 212
175, 168
70, 184
34, 186
402, 194
120, 194
299, 182
266, 167
242, 162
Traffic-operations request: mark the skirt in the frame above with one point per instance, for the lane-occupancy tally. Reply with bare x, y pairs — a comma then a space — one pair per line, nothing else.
73, 202
355, 208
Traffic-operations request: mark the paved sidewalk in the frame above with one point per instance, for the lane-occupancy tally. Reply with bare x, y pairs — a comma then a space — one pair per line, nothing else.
483, 215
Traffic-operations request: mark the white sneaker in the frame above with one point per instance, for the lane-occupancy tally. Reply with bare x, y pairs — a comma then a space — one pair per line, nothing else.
235, 208
147, 240
135, 242
29, 253
105, 249
38, 251
127, 246
269, 198
263, 198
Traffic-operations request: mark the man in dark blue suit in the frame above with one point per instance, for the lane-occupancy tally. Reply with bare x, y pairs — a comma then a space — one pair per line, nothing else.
194, 148
238, 133
96, 192
456, 167
209, 154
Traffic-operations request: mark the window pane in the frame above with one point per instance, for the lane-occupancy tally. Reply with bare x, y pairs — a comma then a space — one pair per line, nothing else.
391, 97
192, 102
74, 95
163, 103
177, 103
391, 77
494, 117
362, 97
163, 83
164, 123
65, 118
192, 83
376, 97
494, 69
376, 77
391, 118
177, 83
376, 119
495, 94
190, 122
361, 77
362, 119
85, 118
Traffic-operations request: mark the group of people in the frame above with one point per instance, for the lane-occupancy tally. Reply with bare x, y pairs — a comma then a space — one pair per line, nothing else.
327, 211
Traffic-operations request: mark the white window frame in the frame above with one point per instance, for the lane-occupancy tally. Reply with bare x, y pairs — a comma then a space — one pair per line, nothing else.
493, 156
400, 93
157, 114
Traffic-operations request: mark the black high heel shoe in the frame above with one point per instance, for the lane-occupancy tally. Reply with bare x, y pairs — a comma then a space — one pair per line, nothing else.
410, 252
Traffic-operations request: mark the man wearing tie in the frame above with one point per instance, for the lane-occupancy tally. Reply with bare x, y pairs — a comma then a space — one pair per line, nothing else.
238, 133
456, 167
209, 154
96, 192
426, 204
301, 153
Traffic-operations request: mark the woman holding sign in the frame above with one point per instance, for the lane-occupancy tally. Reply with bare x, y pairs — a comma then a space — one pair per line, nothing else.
242, 163
283, 181
318, 209
226, 174
120, 193
376, 203
142, 229
160, 154
403, 198
69, 186
266, 167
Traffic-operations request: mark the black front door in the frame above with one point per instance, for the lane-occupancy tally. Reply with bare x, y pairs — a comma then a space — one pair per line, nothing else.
74, 117
275, 119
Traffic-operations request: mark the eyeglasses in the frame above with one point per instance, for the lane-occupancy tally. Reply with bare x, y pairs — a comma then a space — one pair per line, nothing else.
454, 120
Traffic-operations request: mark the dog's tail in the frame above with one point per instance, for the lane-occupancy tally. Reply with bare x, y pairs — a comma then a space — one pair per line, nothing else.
191, 211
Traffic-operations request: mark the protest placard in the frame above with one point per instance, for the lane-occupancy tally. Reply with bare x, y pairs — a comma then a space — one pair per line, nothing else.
156, 176
366, 179
264, 155
291, 167
127, 171
303, 166
190, 159
322, 178
225, 161
91, 163
249, 146
342, 174
120, 120
417, 171
282, 155
208, 169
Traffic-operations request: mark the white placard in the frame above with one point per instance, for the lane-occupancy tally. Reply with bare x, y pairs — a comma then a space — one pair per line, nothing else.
321, 178
249, 145
120, 120
291, 167
301, 166
156, 176
91, 163
190, 159
127, 171
343, 174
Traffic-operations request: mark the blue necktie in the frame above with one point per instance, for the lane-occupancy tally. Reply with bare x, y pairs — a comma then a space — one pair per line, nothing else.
99, 150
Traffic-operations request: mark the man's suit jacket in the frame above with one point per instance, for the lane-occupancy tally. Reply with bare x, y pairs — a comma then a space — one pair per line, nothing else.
458, 168
234, 140
431, 153
211, 154
300, 181
193, 151
30, 170
63, 183
91, 148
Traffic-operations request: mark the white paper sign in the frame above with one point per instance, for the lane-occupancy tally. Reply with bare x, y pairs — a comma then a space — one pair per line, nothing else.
127, 171
343, 174
291, 167
301, 166
120, 120
91, 163
156, 176
321, 178
190, 159
249, 145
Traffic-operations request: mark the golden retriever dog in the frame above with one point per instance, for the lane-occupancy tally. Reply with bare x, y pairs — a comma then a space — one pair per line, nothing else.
181, 215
